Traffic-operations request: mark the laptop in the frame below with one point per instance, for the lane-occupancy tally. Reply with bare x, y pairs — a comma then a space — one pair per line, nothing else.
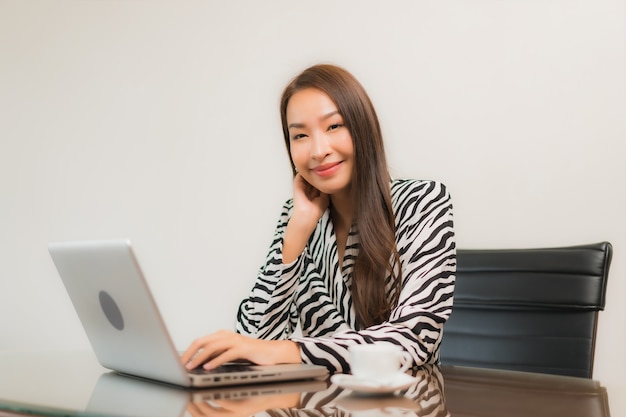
124, 326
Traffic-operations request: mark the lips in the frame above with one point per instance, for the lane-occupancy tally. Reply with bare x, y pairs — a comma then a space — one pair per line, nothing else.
327, 169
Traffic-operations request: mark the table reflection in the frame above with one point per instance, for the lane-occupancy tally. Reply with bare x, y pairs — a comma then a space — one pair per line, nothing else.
423, 398
495, 393
124, 396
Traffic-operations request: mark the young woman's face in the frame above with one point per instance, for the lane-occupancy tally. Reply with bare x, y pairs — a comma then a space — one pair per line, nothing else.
321, 145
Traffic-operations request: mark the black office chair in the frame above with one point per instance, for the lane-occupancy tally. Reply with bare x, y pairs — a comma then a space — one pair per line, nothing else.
531, 310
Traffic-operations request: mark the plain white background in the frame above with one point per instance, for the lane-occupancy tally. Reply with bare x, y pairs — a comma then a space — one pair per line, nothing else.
158, 121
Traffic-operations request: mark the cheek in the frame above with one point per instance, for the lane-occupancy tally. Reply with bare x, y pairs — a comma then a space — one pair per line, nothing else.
347, 145
298, 156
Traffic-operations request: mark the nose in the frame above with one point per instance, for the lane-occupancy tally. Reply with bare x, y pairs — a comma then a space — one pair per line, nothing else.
320, 146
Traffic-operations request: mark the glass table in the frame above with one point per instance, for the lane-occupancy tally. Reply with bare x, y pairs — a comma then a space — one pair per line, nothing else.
74, 384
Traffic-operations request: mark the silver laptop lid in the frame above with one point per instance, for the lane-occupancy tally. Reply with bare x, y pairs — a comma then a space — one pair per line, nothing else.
116, 309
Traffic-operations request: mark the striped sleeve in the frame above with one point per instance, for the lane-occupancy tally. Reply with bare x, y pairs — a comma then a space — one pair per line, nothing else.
285, 295
425, 241
269, 310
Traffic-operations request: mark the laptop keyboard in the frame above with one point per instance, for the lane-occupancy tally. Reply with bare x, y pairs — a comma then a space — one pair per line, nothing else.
226, 368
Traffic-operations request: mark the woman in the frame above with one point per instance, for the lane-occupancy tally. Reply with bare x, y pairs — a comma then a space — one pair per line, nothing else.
356, 257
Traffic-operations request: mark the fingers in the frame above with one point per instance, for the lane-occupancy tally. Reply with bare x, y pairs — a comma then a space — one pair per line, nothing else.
309, 191
213, 350
197, 353
309, 199
225, 346
227, 355
191, 351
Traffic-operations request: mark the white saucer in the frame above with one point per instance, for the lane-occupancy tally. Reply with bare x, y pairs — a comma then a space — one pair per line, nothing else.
371, 386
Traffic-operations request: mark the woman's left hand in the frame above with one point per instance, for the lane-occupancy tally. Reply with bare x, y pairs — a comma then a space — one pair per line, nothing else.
226, 346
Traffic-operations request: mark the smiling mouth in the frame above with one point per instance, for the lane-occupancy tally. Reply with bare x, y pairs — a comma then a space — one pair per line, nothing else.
327, 169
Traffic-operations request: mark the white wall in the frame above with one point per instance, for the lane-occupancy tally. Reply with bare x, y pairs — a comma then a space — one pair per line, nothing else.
157, 121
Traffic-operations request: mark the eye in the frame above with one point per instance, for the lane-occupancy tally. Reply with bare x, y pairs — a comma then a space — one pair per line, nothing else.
335, 126
298, 136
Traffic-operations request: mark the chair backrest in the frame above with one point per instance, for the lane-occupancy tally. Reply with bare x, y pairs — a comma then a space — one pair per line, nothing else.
531, 310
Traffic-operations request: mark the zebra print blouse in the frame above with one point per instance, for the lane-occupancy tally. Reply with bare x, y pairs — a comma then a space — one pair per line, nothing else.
312, 291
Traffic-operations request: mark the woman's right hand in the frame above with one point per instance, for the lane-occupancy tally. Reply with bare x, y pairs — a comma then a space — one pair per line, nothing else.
309, 204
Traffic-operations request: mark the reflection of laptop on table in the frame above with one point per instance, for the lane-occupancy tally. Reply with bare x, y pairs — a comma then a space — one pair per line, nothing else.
120, 395
125, 328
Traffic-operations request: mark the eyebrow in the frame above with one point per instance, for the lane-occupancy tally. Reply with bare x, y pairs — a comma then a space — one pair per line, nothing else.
324, 117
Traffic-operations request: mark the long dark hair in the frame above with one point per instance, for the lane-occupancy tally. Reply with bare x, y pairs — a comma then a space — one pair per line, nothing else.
371, 195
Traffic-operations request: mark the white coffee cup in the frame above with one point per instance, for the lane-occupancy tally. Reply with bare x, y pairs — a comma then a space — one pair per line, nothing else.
378, 360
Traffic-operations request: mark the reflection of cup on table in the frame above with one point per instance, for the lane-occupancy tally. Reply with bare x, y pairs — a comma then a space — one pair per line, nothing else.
378, 361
